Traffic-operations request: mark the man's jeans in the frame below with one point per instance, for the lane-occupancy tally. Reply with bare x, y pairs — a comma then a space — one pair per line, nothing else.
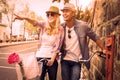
70, 70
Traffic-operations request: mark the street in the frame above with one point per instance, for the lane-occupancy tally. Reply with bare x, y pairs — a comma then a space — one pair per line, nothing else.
8, 71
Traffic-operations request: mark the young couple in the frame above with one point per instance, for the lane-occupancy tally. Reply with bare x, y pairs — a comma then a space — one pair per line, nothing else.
69, 38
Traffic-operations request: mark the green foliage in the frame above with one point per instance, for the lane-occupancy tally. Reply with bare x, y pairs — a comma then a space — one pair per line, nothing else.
54, 0
84, 15
30, 28
65, 1
4, 5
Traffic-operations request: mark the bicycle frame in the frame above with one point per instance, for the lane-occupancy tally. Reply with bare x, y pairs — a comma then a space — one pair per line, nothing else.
85, 76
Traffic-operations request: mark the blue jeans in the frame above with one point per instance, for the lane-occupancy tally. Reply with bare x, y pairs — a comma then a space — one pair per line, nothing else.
52, 71
70, 70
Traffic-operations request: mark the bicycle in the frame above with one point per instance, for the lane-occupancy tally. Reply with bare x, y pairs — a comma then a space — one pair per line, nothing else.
85, 76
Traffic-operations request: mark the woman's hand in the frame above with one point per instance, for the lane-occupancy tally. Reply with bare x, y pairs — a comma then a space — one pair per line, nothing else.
50, 62
18, 17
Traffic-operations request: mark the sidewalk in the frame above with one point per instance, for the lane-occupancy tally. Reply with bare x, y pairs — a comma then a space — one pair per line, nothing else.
4, 44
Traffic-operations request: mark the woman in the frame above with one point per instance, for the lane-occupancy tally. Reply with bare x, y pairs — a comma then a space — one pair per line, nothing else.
51, 36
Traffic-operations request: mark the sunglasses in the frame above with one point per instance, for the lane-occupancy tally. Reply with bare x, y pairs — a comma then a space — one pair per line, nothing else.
50, 14
69, 36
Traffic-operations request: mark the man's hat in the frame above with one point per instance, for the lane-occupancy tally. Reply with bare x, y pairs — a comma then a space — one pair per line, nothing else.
53, 9
69, 6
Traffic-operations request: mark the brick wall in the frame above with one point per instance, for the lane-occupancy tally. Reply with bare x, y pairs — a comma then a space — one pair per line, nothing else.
106, 22
97, 70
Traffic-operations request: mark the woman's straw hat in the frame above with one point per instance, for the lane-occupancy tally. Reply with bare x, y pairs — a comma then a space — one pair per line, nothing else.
53, 9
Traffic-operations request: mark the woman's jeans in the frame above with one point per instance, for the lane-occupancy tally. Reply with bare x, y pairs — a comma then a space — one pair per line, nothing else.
70, 70
52, 71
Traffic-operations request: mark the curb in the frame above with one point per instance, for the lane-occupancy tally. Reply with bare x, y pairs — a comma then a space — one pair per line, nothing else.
15, 43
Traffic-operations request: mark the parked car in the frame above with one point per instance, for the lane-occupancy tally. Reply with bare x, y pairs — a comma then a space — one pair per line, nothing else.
30, 38
21, 38
14, 38
1, 41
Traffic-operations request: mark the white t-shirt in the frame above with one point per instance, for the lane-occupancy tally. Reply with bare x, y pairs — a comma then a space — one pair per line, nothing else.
72, 46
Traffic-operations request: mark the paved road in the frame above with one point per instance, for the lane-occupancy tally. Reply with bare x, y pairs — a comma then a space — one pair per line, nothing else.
8, 71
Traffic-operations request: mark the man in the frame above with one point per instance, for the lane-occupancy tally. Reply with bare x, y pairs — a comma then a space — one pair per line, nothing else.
75, 44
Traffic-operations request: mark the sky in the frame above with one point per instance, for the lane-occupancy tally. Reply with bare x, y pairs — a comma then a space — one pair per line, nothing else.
40, 6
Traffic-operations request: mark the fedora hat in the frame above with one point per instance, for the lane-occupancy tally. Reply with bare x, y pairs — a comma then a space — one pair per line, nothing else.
53, 9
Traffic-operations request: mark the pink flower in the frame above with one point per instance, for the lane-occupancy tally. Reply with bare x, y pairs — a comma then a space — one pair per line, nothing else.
13, 58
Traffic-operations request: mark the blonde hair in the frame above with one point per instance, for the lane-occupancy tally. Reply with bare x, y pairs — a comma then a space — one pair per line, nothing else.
55, 29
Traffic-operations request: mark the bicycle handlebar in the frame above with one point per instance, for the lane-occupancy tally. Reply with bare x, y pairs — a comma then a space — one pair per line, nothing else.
44, 60
84, 61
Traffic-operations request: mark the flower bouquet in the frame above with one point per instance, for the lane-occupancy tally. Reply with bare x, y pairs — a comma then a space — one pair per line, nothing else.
14, 58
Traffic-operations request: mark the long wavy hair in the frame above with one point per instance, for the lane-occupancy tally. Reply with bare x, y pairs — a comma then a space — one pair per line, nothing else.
55, 29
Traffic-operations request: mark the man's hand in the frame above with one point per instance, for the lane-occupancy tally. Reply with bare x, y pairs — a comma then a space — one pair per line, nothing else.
104, 51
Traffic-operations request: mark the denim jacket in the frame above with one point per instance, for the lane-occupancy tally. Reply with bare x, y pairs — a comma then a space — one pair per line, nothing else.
83, 31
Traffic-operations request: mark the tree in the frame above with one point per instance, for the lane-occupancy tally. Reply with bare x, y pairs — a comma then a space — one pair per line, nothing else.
65, 1
8, 9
